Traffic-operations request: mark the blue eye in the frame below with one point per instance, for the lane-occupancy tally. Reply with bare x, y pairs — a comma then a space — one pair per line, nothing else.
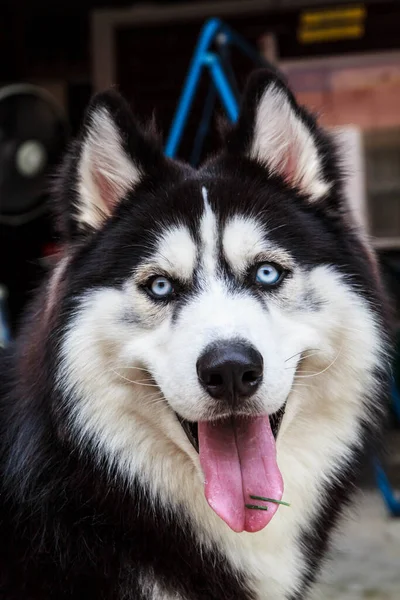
161, 287
268, 274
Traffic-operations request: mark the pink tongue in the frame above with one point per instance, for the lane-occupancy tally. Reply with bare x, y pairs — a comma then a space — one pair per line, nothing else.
238, 458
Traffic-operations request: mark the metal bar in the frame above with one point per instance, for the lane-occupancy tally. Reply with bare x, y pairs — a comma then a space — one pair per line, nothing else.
222, 86
224, 52
207, 35
388, 493
392, 503
210, 30
204, 124
5, 334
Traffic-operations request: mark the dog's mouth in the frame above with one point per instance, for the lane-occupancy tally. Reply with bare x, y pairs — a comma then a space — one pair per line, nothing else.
238, 459
192, 431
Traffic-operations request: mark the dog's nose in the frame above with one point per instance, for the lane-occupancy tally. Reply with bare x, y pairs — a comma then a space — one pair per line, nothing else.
230, 371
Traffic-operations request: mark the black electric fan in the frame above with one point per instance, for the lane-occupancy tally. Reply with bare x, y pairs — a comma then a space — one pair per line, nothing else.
33, 135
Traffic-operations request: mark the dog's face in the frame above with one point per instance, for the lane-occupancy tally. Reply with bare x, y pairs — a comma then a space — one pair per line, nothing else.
214, 290
203, 291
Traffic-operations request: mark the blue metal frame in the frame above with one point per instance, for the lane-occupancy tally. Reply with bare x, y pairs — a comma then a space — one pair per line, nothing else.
203, 58
5, 335
392, 500
222, 85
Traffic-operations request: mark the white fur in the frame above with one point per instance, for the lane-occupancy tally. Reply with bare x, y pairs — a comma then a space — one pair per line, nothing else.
132, 426
286, 146
106, 173
176, 253
209, 237
152, 589
244, 243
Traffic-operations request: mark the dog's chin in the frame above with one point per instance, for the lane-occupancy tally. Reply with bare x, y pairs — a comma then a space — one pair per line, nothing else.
191, 427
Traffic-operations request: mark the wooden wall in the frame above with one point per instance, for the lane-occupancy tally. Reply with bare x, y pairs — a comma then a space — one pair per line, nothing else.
362, 91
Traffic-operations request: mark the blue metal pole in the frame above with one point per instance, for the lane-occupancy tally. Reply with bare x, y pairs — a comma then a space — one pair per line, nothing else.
211, 29
392, 503
204, 125
5, 335
207, 35
223, 87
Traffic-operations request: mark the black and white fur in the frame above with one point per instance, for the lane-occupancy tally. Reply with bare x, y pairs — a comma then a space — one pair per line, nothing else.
101, 491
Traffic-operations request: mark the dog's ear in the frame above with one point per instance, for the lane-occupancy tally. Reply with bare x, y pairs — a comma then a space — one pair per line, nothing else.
280, 135
109, 159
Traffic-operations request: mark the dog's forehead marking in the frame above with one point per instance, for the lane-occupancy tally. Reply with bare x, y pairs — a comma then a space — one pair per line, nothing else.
176, 252
243, 239
208, 236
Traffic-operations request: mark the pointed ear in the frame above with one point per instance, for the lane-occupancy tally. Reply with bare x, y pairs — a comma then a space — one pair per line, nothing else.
111, 157
277, 133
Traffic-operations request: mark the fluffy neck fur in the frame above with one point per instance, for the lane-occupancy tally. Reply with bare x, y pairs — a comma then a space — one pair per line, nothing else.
156, 468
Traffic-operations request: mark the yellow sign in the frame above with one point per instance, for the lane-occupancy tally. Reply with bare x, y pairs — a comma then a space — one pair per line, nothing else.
332, 24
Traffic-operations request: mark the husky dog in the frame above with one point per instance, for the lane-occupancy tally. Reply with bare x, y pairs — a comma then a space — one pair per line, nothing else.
208, 336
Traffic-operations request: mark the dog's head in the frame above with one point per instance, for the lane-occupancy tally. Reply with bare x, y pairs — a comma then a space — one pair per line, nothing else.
196, 297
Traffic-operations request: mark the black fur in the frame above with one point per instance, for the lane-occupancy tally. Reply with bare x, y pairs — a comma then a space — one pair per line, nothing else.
70, 530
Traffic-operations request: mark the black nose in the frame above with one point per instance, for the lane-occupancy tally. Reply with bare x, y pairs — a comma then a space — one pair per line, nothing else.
230, 370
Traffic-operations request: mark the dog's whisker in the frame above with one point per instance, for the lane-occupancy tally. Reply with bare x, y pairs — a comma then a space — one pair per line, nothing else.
135, 382
155, 401
144, 380
302, 359
132, 367
152, 399
148, 378
302, 373
301, 352
322, 371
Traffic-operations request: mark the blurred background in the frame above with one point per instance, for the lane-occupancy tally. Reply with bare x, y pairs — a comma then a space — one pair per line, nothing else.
342, 59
